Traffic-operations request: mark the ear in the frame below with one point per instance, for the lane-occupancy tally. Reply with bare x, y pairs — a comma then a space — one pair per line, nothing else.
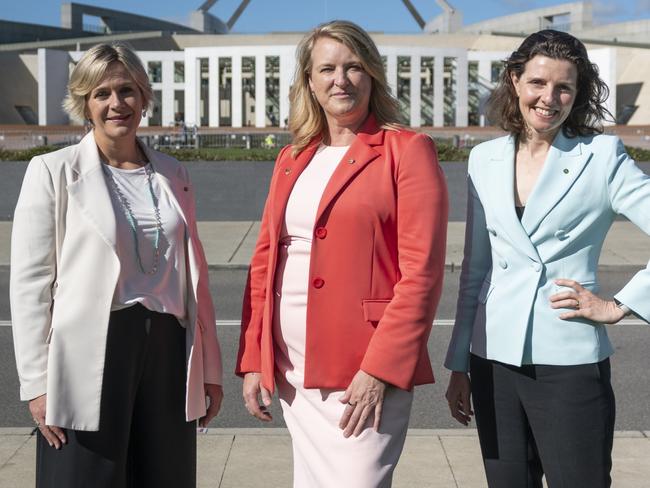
515, 82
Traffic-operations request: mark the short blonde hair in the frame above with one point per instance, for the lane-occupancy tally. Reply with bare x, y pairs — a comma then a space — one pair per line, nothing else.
307, 119
92, 67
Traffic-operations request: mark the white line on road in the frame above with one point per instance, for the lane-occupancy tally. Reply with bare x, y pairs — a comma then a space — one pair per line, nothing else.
443, 322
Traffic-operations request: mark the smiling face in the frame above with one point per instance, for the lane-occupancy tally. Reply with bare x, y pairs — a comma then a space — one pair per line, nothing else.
115, 105
340, 84
546, 92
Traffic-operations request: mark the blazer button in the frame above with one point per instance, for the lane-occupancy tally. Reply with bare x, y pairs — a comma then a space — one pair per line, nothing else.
503, 263
321, 232
561, 234
318, 282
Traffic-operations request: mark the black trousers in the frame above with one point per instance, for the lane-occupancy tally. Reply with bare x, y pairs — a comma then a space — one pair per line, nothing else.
143, 439
534, 420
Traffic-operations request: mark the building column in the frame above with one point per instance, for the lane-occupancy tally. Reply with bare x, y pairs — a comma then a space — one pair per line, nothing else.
213, 90
462, 99
287, 67
167, 95
416, 99
192, 88
52, 86
260, 91
438, 91
236, 102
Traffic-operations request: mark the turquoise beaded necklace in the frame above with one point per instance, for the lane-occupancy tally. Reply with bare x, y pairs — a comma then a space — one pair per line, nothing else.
130, 218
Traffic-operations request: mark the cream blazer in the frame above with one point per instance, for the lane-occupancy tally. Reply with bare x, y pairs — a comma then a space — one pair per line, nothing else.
64, 269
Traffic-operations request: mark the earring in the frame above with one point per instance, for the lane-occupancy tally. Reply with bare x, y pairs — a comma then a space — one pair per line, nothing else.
144, 112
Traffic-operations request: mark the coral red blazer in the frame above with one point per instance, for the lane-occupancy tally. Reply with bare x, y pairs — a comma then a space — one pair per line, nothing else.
377, 263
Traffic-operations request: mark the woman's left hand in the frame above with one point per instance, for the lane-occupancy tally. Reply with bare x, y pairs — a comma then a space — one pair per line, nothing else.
585, 304
214, 393
364, 396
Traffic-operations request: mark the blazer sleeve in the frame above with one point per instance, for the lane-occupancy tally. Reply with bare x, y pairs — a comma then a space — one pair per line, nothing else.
212, 362
422, 213
33, 275
477, 261
629, 192
249, 356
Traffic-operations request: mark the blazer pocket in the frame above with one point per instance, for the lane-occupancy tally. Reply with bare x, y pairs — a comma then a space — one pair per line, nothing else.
373, 310
486, 289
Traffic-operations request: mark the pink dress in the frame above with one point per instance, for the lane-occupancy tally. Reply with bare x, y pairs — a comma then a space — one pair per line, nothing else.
322, 456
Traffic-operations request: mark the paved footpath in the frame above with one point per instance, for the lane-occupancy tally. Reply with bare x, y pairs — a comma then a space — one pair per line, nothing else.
230, 244
243, 458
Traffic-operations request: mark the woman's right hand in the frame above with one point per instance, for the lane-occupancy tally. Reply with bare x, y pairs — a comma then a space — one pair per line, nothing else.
252, 391
458, 395
55, 436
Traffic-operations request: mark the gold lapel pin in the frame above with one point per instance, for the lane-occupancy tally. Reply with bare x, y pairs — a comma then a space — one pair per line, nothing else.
287, 171
350, 161
566, 171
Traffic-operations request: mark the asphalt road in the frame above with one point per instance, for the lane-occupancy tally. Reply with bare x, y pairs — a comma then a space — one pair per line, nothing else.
227, 190
631, 362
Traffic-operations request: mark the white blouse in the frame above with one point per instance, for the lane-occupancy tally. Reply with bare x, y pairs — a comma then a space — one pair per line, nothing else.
165, 290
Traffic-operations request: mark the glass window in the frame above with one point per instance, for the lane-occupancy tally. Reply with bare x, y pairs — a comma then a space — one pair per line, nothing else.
155, 71
179, 72
273, 91
426, 91
404, 88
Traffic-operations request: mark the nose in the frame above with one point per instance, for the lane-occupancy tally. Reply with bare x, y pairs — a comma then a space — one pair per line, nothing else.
549, 95
115, 99
341, 77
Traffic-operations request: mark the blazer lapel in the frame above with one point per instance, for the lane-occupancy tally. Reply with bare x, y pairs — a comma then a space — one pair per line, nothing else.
89, 190
564, 163
356, 158
500, 176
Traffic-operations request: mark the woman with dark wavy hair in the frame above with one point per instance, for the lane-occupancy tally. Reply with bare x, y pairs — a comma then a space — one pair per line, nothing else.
530, 328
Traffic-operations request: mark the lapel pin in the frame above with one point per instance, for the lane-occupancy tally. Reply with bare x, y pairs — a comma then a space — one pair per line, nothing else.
287, 171
566, 171
350, 161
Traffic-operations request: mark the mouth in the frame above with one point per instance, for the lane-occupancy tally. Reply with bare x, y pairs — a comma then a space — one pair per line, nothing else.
545, 112
342, 95
118, 118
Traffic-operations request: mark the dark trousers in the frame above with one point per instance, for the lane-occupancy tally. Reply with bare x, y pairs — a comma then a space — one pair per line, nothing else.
533, 420
143, 439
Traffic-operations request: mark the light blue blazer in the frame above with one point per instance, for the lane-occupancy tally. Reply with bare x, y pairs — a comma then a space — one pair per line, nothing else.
509, 267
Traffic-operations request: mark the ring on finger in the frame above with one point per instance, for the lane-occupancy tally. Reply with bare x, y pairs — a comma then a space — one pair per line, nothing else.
577, 304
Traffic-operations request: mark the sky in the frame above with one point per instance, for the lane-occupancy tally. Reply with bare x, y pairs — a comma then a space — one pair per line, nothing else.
301, 15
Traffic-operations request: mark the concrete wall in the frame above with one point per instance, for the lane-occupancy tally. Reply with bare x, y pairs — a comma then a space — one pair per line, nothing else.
53, 74
21, 88
580, 15
11, 32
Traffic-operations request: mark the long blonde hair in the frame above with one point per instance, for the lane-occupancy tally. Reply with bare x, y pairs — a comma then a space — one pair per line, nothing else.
306, 117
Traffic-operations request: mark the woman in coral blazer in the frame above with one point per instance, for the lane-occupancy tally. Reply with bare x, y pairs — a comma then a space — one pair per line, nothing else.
337, 313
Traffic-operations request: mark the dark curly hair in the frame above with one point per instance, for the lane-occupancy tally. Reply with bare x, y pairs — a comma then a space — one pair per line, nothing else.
588, 111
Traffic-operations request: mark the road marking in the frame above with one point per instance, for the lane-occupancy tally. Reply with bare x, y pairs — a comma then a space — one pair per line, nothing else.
440, 322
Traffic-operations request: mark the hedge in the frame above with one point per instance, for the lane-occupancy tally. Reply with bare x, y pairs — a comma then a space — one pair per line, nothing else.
446, 152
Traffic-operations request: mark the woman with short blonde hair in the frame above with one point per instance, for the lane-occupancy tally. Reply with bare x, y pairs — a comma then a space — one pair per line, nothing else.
113, 323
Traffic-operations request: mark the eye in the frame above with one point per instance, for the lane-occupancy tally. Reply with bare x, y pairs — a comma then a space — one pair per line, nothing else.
100, 94
326, 69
